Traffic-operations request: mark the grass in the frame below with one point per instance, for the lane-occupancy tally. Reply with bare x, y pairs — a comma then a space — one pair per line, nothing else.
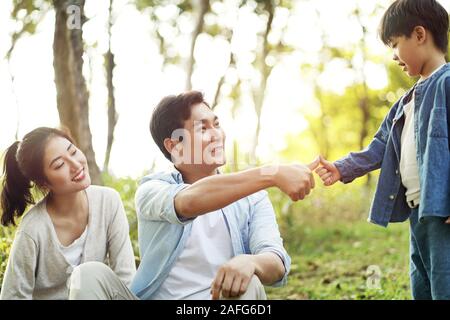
332, 262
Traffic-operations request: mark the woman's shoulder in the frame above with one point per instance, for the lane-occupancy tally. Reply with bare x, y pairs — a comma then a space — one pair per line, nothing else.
104, 201
102, 192
34, 220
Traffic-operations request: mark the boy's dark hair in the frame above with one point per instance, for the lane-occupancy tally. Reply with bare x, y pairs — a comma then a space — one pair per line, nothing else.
170, 114
403, 16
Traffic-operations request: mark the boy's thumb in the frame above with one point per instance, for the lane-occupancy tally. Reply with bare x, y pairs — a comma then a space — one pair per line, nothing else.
324, 162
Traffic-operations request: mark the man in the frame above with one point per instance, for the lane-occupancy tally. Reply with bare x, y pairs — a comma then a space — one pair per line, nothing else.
203, 234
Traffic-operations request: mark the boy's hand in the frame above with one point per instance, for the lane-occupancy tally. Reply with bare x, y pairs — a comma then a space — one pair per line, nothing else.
447, 221
328, 172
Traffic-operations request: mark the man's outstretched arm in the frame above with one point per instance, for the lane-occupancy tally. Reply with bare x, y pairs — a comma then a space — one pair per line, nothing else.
215, 192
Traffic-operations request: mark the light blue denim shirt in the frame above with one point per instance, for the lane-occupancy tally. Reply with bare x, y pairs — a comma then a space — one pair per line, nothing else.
431, 128
162, 235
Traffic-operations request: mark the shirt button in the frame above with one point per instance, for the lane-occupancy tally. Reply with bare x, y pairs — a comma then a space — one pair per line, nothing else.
396, 172
391, 197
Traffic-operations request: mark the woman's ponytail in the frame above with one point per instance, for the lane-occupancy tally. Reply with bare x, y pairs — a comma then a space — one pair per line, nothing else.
16, 188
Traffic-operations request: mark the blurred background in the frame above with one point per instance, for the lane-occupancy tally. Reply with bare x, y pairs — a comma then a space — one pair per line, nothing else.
288, 79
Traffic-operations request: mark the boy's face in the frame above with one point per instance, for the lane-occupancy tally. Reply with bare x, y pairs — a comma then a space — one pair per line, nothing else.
407, 53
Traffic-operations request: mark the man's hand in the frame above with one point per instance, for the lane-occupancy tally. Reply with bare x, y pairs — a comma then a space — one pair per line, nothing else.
328, 172
296, 180
233, 277
447, 221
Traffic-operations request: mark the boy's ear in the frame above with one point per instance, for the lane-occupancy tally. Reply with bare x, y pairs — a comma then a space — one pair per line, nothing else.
420, 34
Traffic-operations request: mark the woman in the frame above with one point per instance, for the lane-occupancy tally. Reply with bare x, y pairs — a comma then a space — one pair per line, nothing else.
74, 223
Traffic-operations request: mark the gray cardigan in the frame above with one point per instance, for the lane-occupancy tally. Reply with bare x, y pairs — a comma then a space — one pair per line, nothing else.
36, 267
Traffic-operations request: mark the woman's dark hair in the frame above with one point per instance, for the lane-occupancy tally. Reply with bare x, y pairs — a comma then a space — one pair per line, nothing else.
170, 114
23, 167
403, 16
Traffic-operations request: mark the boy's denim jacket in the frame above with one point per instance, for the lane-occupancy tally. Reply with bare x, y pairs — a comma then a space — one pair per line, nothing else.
431, 128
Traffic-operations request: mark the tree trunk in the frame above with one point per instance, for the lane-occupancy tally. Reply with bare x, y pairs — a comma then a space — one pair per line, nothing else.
204, 8
232, 62
237, 94
72, 94
259, 93
217, 94
112, 113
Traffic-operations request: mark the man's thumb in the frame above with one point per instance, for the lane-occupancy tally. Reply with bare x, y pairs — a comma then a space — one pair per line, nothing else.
314, 164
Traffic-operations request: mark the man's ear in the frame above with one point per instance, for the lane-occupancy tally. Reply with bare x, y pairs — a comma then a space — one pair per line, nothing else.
420, 34
170, 144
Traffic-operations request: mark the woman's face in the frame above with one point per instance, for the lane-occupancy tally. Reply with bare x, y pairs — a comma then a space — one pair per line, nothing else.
65, 167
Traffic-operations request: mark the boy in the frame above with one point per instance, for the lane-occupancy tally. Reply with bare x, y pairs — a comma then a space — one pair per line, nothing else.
412, 147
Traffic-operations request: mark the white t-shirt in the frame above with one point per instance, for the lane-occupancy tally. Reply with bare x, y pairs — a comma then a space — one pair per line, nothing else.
74, 252
207, 248
408, 163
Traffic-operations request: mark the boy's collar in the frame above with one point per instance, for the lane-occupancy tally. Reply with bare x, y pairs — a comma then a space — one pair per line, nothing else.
406, 97
434, 75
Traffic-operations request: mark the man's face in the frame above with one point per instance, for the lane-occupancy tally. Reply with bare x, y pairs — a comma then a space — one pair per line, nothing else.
203, 140
407, 54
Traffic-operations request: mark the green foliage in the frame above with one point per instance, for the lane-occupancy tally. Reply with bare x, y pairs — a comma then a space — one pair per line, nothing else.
324, 206
6, 238
332, 245
333, 259
30, 13
127, 189
183, 5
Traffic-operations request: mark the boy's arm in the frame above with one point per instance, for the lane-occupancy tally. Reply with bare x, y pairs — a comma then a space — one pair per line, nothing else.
357, 164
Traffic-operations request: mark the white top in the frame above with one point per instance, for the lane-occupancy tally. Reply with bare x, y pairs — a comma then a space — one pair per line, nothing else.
408, 159
207, 248
408, 163
74, 251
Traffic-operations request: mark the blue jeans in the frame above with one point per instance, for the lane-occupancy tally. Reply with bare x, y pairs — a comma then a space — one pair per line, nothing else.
430, 257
